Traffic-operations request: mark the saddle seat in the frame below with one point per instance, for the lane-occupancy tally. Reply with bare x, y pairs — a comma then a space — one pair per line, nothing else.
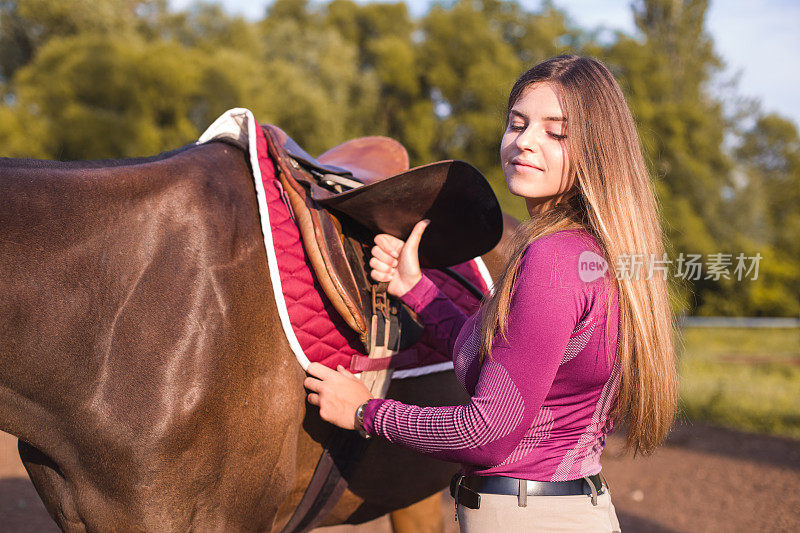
365, 160
363, 187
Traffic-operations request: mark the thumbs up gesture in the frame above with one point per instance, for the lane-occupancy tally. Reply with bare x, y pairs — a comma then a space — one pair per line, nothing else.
396, 261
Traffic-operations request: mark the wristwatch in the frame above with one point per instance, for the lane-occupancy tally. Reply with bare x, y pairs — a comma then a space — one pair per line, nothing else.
359, 423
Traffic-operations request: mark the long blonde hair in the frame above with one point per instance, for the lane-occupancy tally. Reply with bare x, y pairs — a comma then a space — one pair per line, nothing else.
613, 200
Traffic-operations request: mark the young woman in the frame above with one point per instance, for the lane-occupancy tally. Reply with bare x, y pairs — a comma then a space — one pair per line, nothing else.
573, 339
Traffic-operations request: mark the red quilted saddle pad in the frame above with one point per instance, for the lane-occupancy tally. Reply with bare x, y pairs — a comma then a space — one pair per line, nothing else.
321, 333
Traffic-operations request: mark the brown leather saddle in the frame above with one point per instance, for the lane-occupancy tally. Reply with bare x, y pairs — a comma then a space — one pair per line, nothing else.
363, 187
340, 201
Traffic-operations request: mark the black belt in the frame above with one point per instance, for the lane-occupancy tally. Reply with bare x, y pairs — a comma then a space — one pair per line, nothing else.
466, 489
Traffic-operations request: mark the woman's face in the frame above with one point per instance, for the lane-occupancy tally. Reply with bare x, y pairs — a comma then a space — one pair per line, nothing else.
533, 150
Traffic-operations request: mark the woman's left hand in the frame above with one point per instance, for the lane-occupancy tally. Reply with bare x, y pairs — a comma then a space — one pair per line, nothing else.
337, 393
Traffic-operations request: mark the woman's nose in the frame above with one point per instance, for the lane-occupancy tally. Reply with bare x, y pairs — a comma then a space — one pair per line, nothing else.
526, 140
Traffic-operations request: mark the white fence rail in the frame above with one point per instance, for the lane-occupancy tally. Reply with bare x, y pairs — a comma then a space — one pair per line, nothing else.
737, 322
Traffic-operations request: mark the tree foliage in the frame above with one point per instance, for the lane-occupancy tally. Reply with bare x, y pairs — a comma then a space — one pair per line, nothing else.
86, 79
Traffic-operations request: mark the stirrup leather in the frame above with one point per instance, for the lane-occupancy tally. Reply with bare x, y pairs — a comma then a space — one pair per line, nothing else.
384, 328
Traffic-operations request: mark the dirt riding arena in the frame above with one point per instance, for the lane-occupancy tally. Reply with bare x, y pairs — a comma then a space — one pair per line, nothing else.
705, 479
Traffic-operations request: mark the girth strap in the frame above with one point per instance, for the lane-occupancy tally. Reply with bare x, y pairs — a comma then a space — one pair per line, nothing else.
343, 452
344, 449
361, 363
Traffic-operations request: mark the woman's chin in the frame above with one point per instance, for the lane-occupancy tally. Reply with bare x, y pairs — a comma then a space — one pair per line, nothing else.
524, 191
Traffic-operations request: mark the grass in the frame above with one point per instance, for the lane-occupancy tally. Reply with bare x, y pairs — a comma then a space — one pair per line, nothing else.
742, 378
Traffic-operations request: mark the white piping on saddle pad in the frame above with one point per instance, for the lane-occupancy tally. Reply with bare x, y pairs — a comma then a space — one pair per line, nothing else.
239, 125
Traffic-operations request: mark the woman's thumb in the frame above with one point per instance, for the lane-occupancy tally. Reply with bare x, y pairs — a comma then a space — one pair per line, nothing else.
412, 243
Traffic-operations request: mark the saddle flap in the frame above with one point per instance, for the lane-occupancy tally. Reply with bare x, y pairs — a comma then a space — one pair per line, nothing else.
466, 220
340, 271
322, 241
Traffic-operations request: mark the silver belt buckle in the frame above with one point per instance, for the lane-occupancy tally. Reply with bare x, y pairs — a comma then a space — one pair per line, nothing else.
455, 496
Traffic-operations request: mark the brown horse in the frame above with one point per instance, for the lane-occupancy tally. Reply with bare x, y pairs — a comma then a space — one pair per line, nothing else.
142, 362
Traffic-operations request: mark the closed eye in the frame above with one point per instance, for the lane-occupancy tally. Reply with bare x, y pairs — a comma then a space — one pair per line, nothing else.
555, 135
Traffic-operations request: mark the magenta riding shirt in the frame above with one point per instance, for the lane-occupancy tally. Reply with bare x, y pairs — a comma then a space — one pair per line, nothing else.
540, 403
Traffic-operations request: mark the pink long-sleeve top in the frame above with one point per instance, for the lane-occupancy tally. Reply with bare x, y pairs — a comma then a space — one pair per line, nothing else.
540, 403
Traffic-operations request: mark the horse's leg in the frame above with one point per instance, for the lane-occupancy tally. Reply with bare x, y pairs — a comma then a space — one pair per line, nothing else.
422, 517
52, 488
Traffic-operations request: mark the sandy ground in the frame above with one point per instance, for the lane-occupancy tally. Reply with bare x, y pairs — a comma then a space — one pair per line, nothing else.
704, 479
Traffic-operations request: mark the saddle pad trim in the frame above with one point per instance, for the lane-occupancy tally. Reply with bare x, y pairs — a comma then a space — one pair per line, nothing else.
240, 124
238, 119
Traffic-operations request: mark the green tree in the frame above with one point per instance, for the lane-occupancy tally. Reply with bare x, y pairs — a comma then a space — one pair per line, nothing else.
383, 34
770, 157
27, 25
22, 134
205, 27
666, 77
107, 96
313, 86
764, 212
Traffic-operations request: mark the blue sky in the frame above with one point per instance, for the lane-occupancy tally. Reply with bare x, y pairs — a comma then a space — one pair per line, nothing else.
758, 39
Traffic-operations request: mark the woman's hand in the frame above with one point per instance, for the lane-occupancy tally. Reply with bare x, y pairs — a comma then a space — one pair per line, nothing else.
337, 393
396, 261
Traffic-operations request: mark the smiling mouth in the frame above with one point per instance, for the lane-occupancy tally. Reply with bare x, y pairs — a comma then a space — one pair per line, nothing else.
519, 165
